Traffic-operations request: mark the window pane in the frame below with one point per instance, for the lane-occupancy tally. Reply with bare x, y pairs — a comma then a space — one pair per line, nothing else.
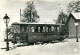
55, 29
46, 29
22, 29
38, 29
41, 28
49, 28
58, 29
32, 29
27, 29
52, 28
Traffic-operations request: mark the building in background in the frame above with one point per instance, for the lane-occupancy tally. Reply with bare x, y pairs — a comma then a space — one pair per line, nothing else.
72, 19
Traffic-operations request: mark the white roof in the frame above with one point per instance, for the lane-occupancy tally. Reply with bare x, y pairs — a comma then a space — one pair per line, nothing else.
38, 23
76, 15
33, 23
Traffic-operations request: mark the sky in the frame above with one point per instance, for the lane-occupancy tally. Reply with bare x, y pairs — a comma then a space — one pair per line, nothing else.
48, 10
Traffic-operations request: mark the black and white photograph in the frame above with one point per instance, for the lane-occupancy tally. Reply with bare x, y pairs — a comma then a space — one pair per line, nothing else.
40, 27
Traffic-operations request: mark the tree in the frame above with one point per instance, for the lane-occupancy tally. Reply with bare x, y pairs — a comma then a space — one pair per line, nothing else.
73, 6
30, 13
62, 19
10, 34
13, 31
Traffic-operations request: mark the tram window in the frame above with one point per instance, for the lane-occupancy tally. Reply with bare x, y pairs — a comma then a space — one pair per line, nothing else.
38, 29
58, 29
46, 29
29, 28
49, 28
52, 28
22, 29
32, 29
43, 28
55, 29
26, 29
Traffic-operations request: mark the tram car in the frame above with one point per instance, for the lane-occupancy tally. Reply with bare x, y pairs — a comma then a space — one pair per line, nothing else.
37, 32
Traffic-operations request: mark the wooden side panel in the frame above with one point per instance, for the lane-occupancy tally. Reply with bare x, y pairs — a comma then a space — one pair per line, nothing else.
72, 28
40, 37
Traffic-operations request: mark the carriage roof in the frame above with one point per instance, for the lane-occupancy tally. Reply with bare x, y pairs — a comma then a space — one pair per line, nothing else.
37, 24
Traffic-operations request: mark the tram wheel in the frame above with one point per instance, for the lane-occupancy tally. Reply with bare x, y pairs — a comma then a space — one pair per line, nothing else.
61, 38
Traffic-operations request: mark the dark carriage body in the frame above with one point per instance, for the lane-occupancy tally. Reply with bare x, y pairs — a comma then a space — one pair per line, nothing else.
34, 32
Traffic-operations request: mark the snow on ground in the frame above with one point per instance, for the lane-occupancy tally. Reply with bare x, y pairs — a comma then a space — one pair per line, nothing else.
67, 47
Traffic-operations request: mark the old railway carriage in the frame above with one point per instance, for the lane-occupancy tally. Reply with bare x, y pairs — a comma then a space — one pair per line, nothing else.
36, 32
